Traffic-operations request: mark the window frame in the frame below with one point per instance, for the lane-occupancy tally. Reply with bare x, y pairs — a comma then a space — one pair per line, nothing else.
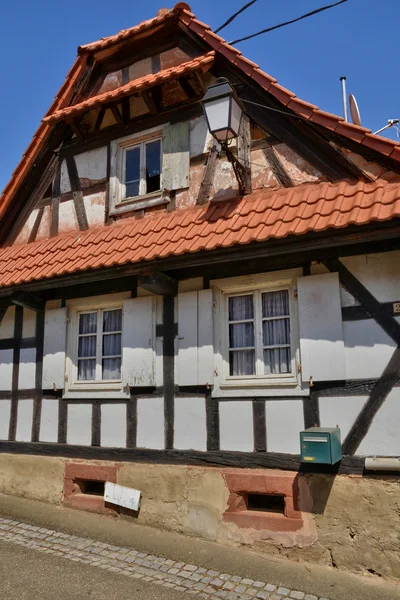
258, 319
99, 346
142, 170
119, 204
224, 383
73, 384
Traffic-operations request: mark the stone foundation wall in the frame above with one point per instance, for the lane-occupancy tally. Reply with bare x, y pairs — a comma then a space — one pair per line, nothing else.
348, 522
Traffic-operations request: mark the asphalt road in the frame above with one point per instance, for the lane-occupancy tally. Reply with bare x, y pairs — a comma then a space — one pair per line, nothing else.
31, 575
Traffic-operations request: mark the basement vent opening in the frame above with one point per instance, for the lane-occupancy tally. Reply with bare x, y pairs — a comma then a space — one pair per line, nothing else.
90, 487
266, 503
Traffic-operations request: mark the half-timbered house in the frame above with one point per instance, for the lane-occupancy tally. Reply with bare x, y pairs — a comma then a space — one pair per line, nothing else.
163, 331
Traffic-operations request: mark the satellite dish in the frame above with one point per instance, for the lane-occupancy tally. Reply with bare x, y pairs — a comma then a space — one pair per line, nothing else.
354, 111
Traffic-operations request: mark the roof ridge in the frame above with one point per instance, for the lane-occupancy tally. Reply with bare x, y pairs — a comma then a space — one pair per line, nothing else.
163, 15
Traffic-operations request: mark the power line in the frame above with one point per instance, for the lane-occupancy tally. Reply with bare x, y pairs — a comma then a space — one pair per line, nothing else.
233, 17
310, 14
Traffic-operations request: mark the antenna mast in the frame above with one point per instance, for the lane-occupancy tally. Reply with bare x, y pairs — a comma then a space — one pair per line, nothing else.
344, 95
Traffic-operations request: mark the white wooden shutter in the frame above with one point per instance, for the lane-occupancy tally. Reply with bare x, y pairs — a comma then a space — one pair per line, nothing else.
321, 328
138, 342
195, 338
176, 156
55, 339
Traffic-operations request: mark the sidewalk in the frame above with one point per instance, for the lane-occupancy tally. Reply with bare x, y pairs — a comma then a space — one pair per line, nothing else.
173, 561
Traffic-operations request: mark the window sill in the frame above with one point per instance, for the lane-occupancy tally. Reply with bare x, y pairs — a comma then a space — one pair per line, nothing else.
140, 202
95, 394
256, 389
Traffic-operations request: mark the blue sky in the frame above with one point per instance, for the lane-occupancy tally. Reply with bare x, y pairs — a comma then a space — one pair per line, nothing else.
38, 42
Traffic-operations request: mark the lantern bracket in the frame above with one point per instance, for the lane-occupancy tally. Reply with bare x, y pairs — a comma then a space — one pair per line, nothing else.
239, 170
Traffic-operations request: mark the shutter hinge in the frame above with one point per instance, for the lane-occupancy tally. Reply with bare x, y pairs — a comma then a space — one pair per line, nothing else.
299, 367
295, 294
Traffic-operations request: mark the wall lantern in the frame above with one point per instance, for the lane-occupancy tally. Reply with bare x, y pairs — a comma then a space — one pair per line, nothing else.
223, 113
222, 110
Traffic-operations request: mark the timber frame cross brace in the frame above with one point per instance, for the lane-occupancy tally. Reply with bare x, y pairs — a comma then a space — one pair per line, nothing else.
391, 373
241, 172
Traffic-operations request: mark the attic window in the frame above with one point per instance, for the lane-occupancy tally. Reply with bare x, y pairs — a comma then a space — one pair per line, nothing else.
142, 169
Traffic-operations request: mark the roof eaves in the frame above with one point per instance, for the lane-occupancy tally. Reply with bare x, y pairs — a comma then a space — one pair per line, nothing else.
201, 63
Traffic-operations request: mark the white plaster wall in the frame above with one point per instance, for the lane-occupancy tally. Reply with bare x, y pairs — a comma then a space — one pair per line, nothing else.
190, 430
24, 421
95, 208
26, 376
380, 273
150, 427
49, 421
284, 422
23, 235
368, 349
67, 216
383, 437
5, 411
113, 425
236, 426
29, 323
6, 367
79, 424
92, 164
44, 227
200, 137
341, 411
7, 324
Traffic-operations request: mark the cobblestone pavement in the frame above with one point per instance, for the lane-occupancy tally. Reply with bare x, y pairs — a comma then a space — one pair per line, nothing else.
194, 580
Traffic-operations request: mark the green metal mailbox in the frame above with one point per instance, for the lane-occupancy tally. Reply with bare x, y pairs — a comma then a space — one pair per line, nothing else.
321, 445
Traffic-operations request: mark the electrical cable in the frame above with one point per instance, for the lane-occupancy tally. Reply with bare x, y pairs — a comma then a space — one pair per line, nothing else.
233, 17
282, 112
310, 14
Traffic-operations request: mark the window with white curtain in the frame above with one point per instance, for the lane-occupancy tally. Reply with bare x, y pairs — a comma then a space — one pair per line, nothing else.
259, 337
98, 345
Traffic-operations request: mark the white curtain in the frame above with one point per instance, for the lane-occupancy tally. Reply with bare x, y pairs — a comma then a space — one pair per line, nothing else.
276, 332
241, 335
111, 361
87, 346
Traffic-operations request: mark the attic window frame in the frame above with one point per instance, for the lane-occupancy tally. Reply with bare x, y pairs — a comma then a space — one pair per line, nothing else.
118, 148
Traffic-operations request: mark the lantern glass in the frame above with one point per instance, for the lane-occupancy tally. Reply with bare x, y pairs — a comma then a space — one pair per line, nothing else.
222, 111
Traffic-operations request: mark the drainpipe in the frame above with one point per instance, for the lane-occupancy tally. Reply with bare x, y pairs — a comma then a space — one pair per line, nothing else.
382, 464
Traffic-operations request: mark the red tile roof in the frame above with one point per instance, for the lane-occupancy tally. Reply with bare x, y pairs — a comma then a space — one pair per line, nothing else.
182, 11
202, 63
264, 215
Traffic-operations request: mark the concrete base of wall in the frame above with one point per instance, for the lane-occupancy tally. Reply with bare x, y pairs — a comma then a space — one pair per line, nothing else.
348, 522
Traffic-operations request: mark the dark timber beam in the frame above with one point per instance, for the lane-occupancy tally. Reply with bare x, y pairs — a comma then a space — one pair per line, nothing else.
187, 88
4, 304
158, 283
373, 307
382, 389
77, 194
277, 168
208, 177
151, 105
250, 460
390, 375
28, 300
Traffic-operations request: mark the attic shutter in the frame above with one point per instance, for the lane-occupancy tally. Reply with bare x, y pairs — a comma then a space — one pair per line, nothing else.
176, 156
195, 338
321, 328
138, 342
55, 338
